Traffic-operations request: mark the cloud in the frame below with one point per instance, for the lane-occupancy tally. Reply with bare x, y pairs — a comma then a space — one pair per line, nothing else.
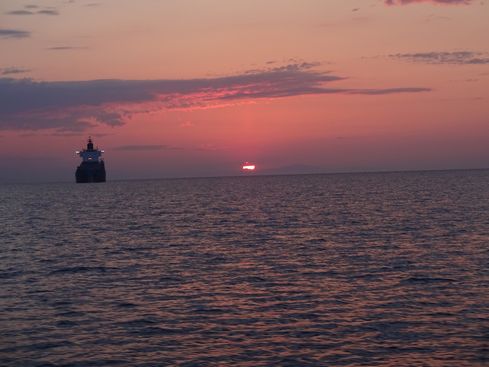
376, 92
48, 12
75, 105
65, 48
13, 33
19, 12
146, 147
453, 58
439, 2
13, 70
29, 12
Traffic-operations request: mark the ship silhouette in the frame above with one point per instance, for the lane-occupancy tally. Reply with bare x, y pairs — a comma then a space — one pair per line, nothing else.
92, 167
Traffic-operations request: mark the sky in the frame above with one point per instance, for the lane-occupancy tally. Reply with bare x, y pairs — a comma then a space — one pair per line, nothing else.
188, 88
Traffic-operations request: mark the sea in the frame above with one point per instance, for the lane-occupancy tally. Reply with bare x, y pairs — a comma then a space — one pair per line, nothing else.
361, 269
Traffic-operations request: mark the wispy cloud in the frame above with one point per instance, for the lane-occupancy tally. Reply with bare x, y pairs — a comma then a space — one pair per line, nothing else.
66, 48
13, 33
31, 12
454, 58
377, 92
438, 2
13, 70
20, 12
48, 12
27, 104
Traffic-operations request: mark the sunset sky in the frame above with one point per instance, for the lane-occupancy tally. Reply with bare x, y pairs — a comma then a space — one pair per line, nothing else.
178, 88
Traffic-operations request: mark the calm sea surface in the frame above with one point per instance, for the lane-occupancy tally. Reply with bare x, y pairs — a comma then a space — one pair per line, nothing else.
314, 270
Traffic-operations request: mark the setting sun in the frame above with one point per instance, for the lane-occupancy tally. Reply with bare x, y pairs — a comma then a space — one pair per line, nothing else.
248, 167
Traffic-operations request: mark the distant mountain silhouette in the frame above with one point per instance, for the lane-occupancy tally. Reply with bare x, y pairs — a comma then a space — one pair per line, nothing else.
293, 169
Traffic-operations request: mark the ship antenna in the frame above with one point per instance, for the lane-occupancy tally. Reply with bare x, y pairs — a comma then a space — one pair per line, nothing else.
90, 143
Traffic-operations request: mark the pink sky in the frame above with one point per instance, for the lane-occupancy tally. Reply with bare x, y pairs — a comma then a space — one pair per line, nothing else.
197, 87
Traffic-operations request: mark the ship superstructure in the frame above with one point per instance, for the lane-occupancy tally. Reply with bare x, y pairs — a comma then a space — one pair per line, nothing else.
92, 167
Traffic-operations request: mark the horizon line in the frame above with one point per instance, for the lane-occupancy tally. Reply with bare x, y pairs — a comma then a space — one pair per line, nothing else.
387, 171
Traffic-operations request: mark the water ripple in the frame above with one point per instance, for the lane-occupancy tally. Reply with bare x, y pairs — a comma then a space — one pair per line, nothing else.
344, 270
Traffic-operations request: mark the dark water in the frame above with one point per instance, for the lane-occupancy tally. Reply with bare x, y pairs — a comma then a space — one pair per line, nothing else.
321, 270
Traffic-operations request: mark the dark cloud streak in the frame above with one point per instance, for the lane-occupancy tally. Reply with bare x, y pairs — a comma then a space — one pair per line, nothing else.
68, 105
13, 70
48, 12
30, 12
66, 48
453, 58
13, 33
377, 92
19, 12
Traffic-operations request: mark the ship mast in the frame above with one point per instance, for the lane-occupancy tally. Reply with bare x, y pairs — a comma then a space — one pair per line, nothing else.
90, 154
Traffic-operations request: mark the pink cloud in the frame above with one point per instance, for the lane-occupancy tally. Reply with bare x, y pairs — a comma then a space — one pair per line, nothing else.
439, 2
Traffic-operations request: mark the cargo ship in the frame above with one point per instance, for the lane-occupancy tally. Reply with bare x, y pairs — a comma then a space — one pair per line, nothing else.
92, 167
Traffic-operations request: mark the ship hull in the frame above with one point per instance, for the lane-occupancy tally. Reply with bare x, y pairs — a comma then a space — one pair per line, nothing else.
90, 172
